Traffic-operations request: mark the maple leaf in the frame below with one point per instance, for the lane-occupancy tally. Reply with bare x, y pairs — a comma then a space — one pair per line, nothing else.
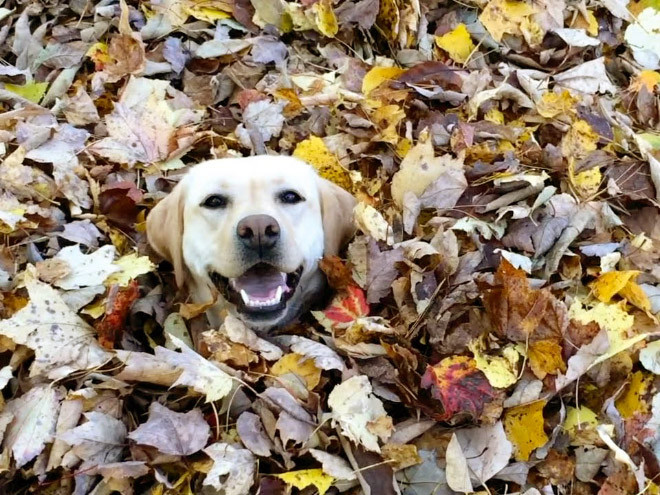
361, 415
61, 340
519, 312
236, 467
459, 386
545, 357
347, 306
98, 441
172, 432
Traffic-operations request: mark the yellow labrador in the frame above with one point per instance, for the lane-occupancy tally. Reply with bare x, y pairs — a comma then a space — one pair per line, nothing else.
254, 228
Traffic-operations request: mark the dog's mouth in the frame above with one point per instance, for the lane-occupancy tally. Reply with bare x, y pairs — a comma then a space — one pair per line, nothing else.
261, 289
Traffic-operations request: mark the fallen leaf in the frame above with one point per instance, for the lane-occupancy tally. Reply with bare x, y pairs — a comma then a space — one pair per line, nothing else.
419, 169
545, 357
650, 357
235, 466
501, 371
307, 477
62, 342
300, 366
252, 434
459, 386
314, 151
172, 432
348, 306
377, 76
457, 470
333, 465
632, 401
524, 427
360, 415
119, 304
130, 267
457, 43
98, 441
86, 269
196, 372
32, 422
486, 449
324, 357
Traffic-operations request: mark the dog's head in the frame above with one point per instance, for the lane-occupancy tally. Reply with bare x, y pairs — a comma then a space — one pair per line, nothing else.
255, 229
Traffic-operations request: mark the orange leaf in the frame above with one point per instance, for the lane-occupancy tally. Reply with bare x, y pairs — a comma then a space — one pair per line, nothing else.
119, 304
347, 306
459, 386
339, 274
545, 358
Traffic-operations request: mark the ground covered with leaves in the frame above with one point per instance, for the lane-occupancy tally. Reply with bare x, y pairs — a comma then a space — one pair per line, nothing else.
494, 320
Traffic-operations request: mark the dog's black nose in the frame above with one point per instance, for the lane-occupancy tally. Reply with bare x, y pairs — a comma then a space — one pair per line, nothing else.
258, 232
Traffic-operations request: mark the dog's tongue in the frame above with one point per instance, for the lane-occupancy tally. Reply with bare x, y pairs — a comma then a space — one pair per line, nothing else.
261, 282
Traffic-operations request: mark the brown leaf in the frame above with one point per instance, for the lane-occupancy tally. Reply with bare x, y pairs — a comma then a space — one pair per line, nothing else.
519, 312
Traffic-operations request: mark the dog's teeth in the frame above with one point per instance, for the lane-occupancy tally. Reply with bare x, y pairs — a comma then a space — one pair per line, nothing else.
278, 295
245, 297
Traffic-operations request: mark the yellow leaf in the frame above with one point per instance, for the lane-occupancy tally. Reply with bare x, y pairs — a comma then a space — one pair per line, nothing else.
580, 425
610, 283
387, 118
636, 296
524, 428
370, 221
633, 398
389, 18
576, 418
95, 309
579, 140
131, 266
301, 366
494, 115
553, 104
33, 91
324, 16
314, 151
592, 23
403, 147
419, 168
586, 183
98, 52
648, 79
457, 43
306, 477
614, 319
500, 370
502, 17
545, 358
207, 13
377, 76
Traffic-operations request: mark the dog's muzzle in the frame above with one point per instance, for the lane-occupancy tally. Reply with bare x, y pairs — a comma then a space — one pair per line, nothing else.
261, 289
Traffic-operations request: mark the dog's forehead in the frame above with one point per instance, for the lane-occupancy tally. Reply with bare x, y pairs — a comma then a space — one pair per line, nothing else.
258, 171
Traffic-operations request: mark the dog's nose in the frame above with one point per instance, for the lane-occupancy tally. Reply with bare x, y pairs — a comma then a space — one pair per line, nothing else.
258, 232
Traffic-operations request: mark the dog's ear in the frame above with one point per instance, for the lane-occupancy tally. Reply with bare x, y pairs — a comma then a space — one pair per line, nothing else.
165, 231
337, 213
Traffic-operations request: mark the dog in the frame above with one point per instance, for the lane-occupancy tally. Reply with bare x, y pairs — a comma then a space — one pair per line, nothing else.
253, 229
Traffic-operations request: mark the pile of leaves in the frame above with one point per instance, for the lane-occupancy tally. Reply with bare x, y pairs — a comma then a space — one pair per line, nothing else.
493, 327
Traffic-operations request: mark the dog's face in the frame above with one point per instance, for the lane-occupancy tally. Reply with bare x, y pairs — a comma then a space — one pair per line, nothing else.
254, 229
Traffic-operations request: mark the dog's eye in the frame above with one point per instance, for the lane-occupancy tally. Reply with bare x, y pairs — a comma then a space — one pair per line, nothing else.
215, 201
291, 197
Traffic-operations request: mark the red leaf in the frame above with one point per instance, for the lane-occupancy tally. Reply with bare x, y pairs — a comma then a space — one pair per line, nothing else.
347, 306
120, 300
459, 386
